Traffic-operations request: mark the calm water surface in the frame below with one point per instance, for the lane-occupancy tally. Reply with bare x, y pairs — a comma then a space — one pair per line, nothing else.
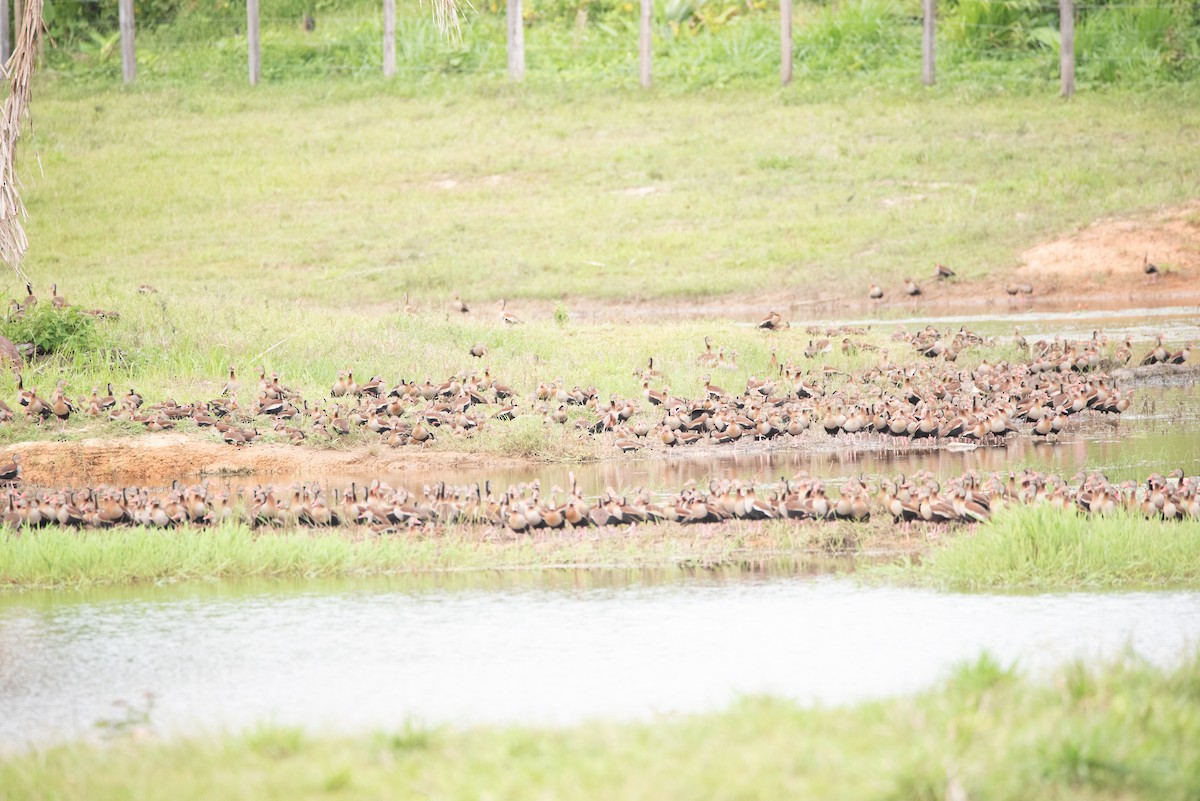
363, 655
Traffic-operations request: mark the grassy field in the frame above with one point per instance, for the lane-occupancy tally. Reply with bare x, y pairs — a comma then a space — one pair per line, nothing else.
284, 226
1119, 731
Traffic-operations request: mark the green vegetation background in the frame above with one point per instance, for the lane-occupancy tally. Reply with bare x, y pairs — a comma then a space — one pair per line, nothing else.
697, 42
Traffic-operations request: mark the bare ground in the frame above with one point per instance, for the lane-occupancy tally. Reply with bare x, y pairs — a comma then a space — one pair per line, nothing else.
1108, 255
155, 458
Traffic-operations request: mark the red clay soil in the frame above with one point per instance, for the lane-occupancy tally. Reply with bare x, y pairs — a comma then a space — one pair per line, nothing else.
156, 459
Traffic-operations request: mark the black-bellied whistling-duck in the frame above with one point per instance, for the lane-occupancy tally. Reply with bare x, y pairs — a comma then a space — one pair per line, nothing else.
10, 471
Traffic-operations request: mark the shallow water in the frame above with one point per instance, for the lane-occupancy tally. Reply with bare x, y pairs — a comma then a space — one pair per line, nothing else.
549, 648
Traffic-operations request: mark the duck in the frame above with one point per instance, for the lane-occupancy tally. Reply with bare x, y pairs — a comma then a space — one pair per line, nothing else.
875, 292
1149, 268
772, 322
457, 304
942, 272
10, 471
1157, 354
506, 316
911, 288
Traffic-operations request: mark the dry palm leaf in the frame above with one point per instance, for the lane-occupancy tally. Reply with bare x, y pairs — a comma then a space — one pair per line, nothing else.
13, 241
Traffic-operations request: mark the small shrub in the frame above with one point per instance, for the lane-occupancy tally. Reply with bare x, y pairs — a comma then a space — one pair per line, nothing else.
49, 331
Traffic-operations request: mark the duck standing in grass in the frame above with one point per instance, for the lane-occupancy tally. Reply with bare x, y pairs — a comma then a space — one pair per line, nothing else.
10, 471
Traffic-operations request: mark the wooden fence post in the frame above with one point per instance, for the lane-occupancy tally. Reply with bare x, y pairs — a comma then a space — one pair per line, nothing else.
128, 54
645, 42
1066, 46
928, 42
255, 57
389, 38
516, 40
5, 46
785, 41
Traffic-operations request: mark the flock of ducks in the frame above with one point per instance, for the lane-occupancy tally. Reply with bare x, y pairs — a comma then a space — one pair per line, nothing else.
930, 399
17, 309
922, 498
910, 287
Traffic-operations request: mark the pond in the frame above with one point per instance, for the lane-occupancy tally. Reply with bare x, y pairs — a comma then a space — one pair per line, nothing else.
545, 648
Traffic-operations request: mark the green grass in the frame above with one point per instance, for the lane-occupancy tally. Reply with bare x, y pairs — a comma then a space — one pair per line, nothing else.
59, 558
285, 225
1124, 730
1040, 548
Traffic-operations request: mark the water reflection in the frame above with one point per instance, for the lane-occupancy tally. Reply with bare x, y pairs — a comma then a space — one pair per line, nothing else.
351, 656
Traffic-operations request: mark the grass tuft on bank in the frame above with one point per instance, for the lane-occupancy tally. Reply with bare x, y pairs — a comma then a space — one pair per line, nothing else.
1124, 730
1038, 547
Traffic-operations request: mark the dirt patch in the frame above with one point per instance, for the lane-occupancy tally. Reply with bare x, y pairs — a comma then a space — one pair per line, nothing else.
1111, 252
156, 459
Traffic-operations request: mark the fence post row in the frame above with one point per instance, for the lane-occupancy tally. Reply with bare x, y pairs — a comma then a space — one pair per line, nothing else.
928, 43
252, 41
1066, 46
389, 38
785, 41
645, 20
128, 54
516, 40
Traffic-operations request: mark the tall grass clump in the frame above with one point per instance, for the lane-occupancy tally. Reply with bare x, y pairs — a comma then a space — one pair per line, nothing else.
1040, 547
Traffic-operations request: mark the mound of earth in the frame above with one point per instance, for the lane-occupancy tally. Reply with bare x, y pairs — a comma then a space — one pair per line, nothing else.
1109, 254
